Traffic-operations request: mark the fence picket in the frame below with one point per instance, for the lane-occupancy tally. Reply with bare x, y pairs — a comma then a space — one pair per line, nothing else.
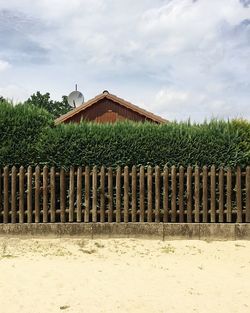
248, 194
204, 195
71, 193
173, 195
118, 194
29, 194
102, 195
142, 194
165, 195
221, 195
110, 195
45, 194
62, 195
13, 194
94, 194
87, 199
79, 195
238, 195
189, 194
21, 194
150, 198
213, 194
181, 194
134, 173
229, 195
197, 195
6, 195
52, 195
126, 194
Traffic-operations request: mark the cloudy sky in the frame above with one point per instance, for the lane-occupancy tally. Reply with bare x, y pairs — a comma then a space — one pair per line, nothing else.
177, 58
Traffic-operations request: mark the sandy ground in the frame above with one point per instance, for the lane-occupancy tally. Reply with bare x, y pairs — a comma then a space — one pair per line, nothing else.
123, 275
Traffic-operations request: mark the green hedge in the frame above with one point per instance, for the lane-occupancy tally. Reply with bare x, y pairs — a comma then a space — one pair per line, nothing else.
28, 136
21, 127
217, 142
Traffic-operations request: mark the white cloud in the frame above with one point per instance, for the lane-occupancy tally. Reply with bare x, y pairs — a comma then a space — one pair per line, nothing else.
4, 65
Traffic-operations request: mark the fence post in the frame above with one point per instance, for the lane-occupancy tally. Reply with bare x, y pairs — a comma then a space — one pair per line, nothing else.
238, 195
173, 194
21, 194
248, 194
204, 194
52, 195
149, 181
221, 195
213, 194
110, 195
102, 196
94, 193
118, 194
87, 200
71, 193
197, 194
79, 195
13, 194
29, 195
37, 194
62, 195
45, 194
126, 195
229, 195
142, 194
189, 194
165, 195
134, 173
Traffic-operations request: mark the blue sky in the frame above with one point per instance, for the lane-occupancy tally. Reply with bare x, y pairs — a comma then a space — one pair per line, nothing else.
176, 58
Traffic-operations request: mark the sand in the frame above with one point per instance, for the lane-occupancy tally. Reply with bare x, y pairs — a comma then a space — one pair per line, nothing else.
123, 275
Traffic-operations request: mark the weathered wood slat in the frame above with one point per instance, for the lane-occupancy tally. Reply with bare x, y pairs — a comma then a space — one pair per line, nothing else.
110, 195
87, 198
213, 194
142, 194
29, 194
239, 195
62, 196
181, 194
157, 194
134, 173
102, 195
52, 195
79, 195
126, 194
189, 194
37, 194
45, 194
197, 195
6, 195
94, 195
165, 195
71, 193
229, 195
173, 195
118, 194
221, 195
1, 191
204, 194
150, 197
248, 194
21, 194
13, 194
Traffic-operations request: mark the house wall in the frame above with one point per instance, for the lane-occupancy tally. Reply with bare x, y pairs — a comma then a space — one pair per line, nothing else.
107, 111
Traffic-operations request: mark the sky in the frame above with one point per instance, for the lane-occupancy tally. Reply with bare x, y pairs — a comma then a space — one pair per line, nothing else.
179, 59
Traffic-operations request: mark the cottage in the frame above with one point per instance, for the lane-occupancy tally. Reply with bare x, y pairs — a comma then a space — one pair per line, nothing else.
108, 108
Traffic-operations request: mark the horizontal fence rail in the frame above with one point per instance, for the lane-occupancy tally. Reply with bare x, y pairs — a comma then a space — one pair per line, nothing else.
144, 194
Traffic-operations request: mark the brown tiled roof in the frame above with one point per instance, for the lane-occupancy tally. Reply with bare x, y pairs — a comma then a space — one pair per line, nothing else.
115, 99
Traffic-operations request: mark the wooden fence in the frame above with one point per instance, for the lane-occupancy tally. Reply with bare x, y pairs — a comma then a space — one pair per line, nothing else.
145, 194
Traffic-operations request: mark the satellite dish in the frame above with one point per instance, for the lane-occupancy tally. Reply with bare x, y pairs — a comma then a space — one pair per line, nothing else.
75, 98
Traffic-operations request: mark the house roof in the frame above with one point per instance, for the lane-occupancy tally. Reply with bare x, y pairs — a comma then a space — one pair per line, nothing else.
120, 101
